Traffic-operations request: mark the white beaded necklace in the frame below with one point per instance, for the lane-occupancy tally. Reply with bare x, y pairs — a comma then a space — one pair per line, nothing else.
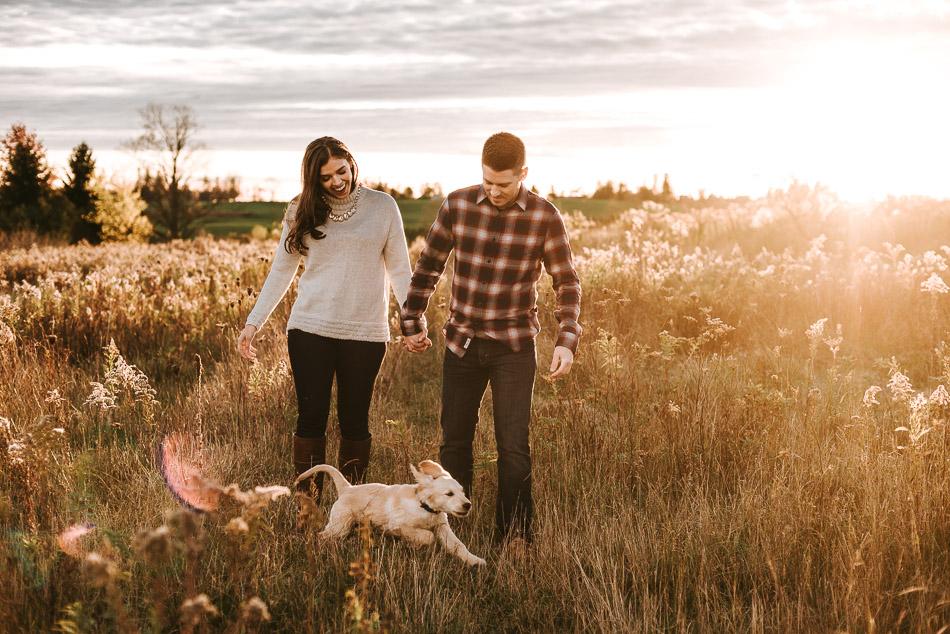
347, 214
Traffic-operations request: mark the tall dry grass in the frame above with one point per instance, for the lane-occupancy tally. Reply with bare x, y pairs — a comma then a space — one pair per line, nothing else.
753, 438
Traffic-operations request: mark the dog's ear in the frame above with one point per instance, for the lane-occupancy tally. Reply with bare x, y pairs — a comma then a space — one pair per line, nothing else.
419, 476
433, 469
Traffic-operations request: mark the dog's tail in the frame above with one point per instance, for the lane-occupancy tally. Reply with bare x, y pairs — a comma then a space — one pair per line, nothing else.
338, 480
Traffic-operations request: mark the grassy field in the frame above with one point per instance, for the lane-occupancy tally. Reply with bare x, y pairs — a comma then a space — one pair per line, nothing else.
754, 438
239, 218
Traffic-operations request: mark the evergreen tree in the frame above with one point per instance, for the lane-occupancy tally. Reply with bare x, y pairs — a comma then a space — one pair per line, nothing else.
666, 195
26, 191
81, 193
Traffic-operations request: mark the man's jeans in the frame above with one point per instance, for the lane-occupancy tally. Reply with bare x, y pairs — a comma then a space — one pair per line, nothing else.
511, 375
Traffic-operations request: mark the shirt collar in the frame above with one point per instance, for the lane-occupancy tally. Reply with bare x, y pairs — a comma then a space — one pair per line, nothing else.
521, 200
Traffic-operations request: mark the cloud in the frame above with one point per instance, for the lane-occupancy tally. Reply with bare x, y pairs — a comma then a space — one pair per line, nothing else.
425, 74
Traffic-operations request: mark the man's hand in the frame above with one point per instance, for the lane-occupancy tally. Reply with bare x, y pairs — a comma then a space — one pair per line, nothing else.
561, 362
418, 342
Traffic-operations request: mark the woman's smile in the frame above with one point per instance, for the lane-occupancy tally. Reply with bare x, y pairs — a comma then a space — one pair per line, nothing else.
336, 177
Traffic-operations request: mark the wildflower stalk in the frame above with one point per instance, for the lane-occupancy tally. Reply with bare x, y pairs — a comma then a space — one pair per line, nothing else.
199, 421
103, 573
358, 609
934, 286
814, 334
157, 549
834, 345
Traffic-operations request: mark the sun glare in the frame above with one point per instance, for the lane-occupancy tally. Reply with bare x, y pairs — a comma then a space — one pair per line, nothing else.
868, 119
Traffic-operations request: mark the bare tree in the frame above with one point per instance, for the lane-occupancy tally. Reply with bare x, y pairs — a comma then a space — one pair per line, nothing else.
166, 149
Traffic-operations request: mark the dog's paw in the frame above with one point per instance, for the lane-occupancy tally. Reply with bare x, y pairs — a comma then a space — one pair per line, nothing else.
477, 561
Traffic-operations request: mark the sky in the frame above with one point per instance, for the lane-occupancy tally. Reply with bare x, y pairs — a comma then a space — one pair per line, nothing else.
727, 97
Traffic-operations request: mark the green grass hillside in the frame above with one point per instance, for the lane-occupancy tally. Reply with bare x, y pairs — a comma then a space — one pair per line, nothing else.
238, 218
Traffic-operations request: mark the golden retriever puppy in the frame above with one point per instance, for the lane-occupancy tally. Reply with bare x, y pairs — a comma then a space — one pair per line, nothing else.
415, 512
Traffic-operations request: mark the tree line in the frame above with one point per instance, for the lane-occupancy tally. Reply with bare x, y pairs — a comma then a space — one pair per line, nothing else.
83, 208
161, 203
607, 191
428, 192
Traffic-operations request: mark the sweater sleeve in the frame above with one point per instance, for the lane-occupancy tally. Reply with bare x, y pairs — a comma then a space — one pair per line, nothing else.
282, 272
396, 255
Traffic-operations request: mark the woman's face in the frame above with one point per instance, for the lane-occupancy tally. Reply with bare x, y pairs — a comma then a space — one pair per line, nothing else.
336, 177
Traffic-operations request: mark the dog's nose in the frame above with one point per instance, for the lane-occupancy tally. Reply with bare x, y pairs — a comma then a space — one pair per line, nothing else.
467, 505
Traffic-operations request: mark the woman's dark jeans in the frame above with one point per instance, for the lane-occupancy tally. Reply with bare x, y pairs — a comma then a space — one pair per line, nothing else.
314, 360
511, 376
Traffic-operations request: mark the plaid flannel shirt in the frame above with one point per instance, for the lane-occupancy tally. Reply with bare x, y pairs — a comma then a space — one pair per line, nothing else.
498, 258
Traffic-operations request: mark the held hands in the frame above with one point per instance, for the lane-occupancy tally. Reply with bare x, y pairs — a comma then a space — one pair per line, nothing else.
245, 348
418, 342
561, 362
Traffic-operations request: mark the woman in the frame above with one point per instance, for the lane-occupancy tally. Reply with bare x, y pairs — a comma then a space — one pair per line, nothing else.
353, 247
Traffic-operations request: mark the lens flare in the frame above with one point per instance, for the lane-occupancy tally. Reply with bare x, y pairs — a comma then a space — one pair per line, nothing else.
184, 481
68, 540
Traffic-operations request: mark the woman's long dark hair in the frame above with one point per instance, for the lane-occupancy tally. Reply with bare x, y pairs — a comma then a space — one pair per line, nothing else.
312, 209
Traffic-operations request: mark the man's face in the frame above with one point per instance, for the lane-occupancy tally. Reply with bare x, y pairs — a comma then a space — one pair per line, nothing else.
502, 187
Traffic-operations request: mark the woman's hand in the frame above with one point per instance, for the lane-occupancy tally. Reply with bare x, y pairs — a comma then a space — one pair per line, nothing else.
247, 351
418, 342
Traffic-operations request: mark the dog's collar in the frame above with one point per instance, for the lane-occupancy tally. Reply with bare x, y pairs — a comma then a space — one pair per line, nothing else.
427, 507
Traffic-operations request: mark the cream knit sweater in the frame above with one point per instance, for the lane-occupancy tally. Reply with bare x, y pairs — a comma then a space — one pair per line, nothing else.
343, 292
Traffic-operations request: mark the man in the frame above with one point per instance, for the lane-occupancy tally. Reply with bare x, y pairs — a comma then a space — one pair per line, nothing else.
502, 234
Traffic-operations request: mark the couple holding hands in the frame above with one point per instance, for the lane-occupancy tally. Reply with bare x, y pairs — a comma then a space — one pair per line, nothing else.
353, 247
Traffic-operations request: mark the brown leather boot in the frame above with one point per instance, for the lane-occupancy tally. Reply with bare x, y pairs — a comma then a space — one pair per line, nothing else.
354, 458
309, 452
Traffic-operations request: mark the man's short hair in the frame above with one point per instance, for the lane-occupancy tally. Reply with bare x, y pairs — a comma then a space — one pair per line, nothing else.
503, 151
